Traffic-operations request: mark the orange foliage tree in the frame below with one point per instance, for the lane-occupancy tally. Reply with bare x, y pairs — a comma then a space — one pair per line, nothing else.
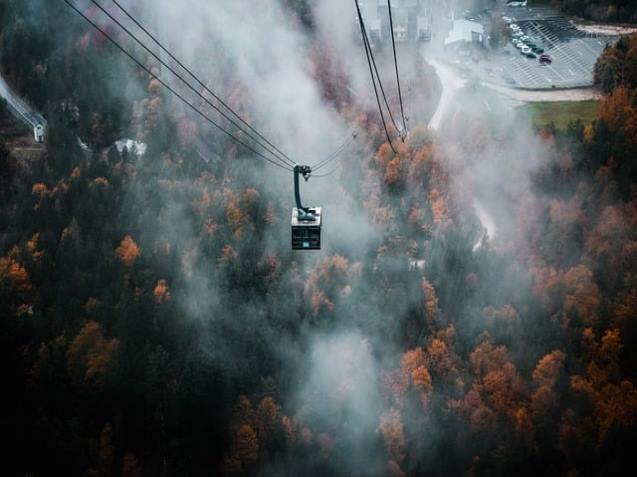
161, 292
614, 399
90, 354
128, 251
582, 294
545, 376
414, 368
392, 429
14, 274
130, 466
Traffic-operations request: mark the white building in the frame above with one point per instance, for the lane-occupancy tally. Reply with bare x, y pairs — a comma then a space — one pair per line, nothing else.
412, 19
466, 31
38, 133
37, 123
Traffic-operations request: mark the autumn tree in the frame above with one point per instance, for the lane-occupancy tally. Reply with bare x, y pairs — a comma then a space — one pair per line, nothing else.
130, 466
582, 295
392, 429
545, 377
90, 354
128, 251
414, 368
329, 281
161, 292
613, 398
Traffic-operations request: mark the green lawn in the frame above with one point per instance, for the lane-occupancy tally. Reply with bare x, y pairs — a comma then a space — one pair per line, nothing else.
561, 113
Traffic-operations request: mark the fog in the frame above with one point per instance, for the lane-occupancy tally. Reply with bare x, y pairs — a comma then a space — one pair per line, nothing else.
260, 50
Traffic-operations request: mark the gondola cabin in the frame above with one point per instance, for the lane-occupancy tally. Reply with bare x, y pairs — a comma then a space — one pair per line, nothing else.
306, 229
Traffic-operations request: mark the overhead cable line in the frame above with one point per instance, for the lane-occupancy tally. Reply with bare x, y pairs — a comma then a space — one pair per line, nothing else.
173, 91
327, 174
335, 154
201, 83
400, 95
280, 155
380, 82
371, 71
269, 147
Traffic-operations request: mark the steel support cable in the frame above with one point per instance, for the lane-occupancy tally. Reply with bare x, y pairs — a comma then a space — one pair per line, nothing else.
172, 90
400, 94
327, 174
335, 154
193, 89
380, 107
371, 71
199, 82
330, 158
380, 83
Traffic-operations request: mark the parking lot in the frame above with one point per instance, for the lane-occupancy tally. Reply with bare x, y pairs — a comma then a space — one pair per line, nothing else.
573, 52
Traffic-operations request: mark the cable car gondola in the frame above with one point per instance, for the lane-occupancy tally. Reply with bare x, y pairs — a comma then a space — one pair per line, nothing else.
306, 221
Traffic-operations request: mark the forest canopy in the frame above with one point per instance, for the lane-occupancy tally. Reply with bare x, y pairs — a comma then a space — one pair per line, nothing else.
622, 11
155, 321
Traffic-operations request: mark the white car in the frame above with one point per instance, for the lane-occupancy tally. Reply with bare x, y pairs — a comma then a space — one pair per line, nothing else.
514, 26
525, 38
525, 49
518, 34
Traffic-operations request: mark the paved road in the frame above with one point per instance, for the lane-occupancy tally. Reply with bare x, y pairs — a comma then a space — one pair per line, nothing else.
611, 30
451, 83
19, 107
530, 96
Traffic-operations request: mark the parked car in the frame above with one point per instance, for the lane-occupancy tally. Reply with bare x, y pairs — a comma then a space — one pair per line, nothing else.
525, 49
545, 59
538, 50
514, 26
530, 54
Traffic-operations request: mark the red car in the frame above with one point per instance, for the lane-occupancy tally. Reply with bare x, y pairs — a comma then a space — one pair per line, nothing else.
545, 59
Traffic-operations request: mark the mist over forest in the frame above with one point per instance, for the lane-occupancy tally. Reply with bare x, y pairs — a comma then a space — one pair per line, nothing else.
471, 312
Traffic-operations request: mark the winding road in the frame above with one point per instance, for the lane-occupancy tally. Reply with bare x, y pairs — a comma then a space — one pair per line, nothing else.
451, 83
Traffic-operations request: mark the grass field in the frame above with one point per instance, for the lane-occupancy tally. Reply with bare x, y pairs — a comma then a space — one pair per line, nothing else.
561, 113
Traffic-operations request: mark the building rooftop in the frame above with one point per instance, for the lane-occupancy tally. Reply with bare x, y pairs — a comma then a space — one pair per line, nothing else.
463, 30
